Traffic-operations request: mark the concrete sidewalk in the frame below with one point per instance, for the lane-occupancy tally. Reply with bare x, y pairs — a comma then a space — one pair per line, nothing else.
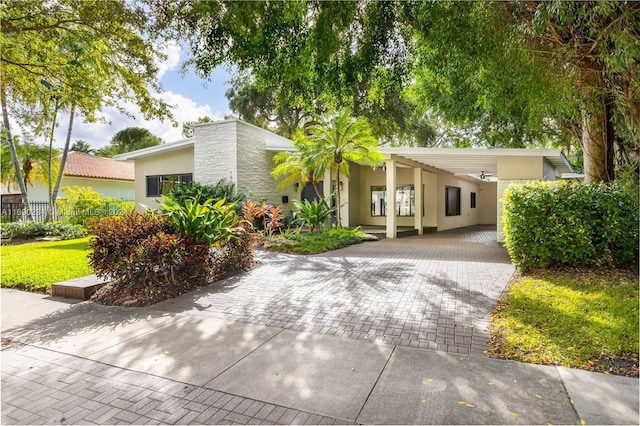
86, 363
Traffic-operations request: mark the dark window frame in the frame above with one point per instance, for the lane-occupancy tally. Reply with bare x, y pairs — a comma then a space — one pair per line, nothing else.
161, 182
473, 200
452, 200
382, 208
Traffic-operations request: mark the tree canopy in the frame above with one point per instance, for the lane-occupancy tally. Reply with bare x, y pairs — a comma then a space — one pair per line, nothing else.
127, 140
506, 74
74, 56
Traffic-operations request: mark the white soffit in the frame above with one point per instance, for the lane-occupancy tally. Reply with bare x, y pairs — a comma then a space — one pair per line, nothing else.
464, 161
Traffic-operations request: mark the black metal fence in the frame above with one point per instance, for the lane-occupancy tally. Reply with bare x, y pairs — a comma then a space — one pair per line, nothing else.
14, 211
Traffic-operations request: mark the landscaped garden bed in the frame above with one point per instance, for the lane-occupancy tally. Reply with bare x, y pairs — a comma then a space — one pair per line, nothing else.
317, 242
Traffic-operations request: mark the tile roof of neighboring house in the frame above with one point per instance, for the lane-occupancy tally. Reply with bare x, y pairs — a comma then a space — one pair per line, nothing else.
85, 165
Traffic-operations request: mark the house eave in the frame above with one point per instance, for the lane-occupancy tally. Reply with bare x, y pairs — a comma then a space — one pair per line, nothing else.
154, 150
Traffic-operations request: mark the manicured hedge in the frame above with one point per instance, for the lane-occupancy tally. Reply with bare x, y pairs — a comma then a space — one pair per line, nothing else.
570, 224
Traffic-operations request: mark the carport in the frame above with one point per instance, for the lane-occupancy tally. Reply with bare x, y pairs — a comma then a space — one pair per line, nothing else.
460, 187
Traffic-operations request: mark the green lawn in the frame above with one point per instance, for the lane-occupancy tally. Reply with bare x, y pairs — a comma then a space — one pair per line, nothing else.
35, 266
583, 319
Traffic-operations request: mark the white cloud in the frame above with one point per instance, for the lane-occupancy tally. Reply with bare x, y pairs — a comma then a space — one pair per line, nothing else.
173, 51
99, 134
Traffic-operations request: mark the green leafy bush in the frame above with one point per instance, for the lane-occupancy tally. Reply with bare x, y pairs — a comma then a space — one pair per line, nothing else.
222, 190
314, 214
80, 205
318, 242
567, 224
207, 222
83, 205
30, 230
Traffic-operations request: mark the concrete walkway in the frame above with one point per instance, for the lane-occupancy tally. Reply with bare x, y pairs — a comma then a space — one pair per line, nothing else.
198, 361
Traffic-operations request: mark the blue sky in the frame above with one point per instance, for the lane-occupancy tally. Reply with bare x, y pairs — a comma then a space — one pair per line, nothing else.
191, 95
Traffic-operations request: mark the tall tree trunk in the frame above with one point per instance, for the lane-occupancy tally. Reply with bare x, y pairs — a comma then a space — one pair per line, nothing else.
63, 161
597, 128
51, 205
26, 207
338, 217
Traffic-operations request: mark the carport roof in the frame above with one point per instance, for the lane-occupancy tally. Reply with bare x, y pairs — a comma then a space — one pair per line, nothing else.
466, 161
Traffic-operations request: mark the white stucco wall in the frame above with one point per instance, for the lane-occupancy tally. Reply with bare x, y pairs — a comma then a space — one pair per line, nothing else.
487, 206
236, 152
215, 152
167, 163
255, 164
468, 216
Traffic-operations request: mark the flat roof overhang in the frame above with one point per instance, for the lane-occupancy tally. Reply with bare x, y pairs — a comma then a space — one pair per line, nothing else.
473, 161
466, 161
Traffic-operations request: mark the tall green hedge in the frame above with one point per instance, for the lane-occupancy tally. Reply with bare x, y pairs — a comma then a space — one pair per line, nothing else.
570, 224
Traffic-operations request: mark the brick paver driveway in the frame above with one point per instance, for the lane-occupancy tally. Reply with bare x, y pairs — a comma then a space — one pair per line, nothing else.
434, 291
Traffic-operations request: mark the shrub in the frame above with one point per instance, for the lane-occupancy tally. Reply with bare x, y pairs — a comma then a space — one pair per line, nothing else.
567, 224
80, 204
207, 222
145, 259
222, 190
312, 213
30, 230
150, 258
117, 240
83, 205
263, 217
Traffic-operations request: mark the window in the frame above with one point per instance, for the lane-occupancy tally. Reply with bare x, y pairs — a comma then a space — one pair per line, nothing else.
473, 200
452, 201
378, 201
158, 185
405, 200
309, 192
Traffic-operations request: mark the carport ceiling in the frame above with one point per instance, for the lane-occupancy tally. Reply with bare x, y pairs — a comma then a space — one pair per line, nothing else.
465, 161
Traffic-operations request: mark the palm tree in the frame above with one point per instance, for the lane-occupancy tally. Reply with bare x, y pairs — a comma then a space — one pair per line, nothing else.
34, 165
342, 140
296, 167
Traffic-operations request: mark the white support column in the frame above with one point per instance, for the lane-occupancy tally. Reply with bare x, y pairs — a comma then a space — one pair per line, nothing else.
391, 198
326, 184
417, 182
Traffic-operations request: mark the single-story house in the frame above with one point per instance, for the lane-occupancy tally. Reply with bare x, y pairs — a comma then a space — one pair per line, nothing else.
108, 177
435, 188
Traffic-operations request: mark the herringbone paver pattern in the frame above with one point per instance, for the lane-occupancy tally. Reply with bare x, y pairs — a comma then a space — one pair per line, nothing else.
434, 291
45, 387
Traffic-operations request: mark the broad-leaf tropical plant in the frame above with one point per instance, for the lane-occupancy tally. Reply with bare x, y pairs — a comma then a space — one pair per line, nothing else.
206, 221
343, 140
314, 214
